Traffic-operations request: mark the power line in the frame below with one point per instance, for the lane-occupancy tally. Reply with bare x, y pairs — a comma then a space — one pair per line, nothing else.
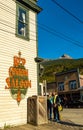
59, 5
9, 8
59, 33
14, 33
62, 37
5, 23
52, 31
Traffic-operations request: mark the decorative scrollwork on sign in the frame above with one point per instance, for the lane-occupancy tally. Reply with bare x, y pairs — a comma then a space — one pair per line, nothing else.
17, 81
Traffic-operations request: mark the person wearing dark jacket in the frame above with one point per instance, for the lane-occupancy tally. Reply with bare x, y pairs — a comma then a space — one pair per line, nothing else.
56, 103
49, 105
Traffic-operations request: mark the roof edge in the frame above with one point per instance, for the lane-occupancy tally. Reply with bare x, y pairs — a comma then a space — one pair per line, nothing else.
30, 5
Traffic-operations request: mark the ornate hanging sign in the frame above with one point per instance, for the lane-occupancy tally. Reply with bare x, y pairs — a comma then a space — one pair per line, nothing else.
17, 81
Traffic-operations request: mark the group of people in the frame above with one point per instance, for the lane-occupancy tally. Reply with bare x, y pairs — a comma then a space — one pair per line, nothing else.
53, 102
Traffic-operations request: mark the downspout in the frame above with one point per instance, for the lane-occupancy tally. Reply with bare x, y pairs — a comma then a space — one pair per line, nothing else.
37, 54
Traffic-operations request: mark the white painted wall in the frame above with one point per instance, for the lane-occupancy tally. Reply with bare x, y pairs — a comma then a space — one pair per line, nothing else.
10, 112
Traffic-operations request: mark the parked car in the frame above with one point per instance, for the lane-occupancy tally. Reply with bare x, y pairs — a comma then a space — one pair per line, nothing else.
75, 104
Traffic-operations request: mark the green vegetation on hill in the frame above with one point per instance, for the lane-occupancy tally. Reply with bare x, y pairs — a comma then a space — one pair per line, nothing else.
60, 65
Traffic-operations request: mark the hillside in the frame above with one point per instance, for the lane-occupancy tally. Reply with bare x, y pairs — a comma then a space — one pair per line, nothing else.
60, 65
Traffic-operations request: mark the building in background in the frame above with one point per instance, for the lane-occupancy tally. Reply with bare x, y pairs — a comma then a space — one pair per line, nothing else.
51, 87
69, 85
18, 49
81, 87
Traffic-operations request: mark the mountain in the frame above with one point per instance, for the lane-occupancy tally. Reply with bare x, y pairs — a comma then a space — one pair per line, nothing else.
65, 56
60, 65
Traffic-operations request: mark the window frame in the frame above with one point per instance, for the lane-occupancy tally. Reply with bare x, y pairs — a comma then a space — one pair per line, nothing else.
72, 85
19, 5
60, 86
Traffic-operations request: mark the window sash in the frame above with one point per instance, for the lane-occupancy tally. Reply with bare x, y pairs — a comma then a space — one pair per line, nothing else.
22, 22
61, 86
72, 84
22, 26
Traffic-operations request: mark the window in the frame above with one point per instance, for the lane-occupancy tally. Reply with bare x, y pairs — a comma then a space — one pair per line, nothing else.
61, 86
22, 22
72, 84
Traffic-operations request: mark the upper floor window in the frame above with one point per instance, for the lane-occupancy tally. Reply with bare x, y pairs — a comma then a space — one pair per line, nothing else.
22, 22
60, 86
72, 84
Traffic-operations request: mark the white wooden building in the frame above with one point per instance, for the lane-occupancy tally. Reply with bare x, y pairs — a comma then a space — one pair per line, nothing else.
18, 49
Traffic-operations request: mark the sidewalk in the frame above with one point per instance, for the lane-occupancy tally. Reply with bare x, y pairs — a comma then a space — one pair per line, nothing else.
72, 119
50, 126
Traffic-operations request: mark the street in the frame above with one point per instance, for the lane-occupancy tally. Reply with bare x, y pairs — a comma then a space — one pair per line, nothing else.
71, 119
75, 115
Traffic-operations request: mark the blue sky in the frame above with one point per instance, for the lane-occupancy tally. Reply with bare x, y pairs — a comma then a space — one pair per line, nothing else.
58, 31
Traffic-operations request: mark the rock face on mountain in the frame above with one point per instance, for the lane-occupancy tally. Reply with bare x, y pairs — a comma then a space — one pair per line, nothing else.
65, 56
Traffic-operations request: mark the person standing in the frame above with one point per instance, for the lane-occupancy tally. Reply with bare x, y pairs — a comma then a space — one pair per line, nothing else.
49, 106
56, 103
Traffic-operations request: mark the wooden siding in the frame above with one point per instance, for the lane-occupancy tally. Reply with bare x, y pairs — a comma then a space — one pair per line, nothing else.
10, 112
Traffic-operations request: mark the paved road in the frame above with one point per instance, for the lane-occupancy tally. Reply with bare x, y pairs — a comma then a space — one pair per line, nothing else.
72, 119
74, 115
